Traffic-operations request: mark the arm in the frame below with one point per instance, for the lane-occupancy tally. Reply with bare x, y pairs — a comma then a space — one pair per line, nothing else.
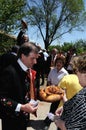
6, 85
49, 78
60, 124
64, 98
9, 103
48, 83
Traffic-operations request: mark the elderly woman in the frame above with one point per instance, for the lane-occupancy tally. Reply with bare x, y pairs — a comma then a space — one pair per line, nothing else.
72, 116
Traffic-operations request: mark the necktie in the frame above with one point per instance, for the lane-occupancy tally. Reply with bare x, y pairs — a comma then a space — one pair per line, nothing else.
31, 74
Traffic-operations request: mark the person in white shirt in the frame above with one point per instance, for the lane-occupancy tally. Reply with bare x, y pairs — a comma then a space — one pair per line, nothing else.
72, 115
57, 73
54, 77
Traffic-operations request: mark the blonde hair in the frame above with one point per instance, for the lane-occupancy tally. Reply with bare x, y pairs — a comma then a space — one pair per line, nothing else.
81, 64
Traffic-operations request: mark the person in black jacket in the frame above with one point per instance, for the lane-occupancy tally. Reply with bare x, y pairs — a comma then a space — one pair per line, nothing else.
22, 35
15, 106
8, 58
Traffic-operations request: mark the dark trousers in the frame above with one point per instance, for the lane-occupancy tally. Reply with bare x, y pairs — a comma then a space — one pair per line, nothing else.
14, 124
54, 106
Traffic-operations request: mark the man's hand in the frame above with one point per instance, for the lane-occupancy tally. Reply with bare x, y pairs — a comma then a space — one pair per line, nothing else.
29, 108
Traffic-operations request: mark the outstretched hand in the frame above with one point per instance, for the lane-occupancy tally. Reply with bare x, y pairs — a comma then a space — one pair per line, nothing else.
59, 111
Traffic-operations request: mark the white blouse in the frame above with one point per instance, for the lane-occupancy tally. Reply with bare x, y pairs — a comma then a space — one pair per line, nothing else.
55, 76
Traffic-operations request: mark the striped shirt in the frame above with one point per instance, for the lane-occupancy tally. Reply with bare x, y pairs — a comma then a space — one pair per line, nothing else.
74, 112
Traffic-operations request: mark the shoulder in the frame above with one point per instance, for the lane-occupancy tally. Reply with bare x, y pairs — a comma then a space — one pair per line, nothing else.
53, 70
70, 80
64, 70
70, 76
12, 68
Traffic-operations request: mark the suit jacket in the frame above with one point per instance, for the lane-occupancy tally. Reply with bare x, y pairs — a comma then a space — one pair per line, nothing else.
20, 39
6, 59
13, 89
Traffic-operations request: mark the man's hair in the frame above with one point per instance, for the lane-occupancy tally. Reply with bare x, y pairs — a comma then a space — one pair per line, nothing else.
15, 48
81, 64
27, 48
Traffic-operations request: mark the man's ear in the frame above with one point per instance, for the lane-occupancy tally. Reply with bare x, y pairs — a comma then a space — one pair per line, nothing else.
22, 57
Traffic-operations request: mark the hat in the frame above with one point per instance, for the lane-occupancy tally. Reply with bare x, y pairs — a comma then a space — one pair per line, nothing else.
24, 24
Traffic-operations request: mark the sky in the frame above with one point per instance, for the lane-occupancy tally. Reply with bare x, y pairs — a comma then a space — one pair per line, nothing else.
74, 36
68, 37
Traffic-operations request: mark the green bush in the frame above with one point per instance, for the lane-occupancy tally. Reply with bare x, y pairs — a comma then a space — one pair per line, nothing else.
6, 42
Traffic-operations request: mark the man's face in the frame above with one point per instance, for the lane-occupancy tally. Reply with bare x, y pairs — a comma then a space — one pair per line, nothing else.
82, 78
29, 60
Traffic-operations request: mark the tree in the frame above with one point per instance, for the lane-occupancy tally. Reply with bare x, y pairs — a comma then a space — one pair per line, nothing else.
11, 12
6, 42
67, 46
53, 18
80, 46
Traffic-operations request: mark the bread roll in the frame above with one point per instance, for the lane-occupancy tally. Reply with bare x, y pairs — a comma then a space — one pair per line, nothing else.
51, 93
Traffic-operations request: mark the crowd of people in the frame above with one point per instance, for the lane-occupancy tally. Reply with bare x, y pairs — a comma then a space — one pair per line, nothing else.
16, 101
72, 115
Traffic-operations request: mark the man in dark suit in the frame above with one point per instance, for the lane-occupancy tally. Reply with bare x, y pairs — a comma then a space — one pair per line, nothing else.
8, 58
14, 87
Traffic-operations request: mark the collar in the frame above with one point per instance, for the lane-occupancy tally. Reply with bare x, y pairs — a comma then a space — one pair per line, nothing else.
61, 70
23, 66
14, 53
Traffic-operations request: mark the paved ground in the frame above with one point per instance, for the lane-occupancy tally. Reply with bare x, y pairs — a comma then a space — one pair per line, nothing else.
0, 125
37, 123
43, 109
